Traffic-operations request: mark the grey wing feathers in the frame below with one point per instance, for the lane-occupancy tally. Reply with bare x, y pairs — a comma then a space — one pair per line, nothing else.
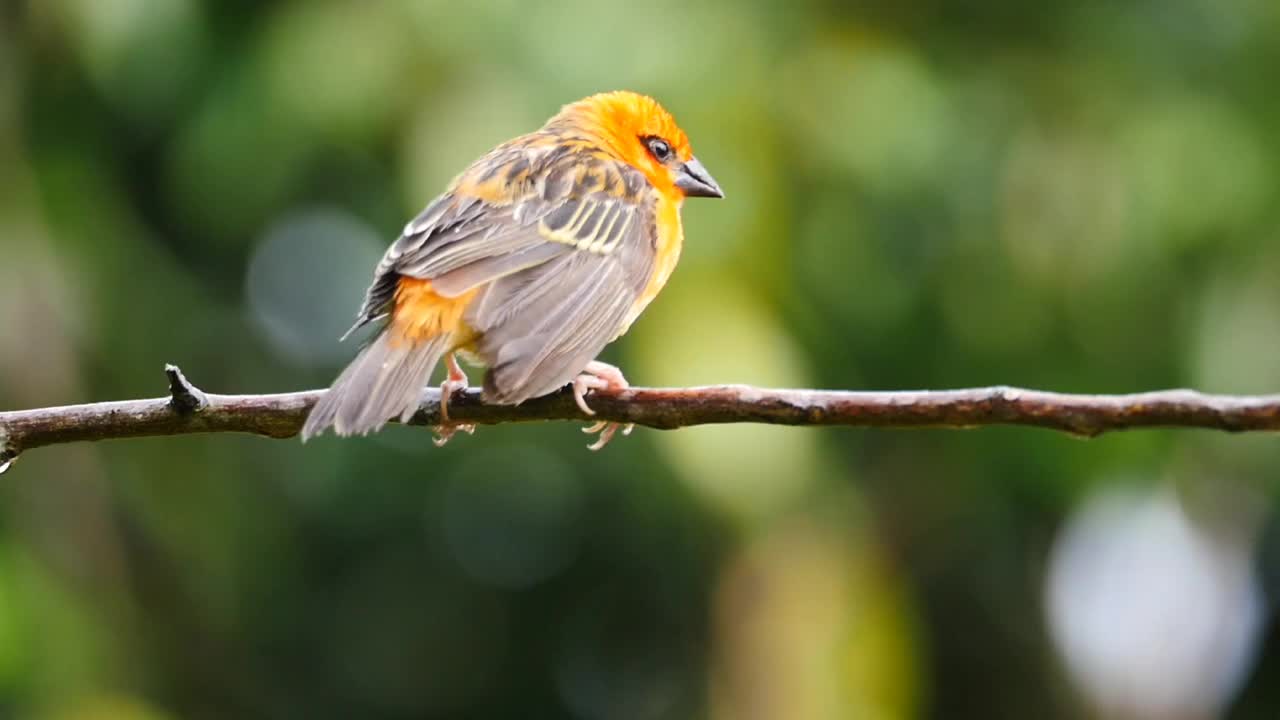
590, 225
458, 281
443, 223
540, 326
558, 272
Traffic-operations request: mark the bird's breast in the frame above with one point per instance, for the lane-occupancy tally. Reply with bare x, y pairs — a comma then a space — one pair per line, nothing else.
669, 239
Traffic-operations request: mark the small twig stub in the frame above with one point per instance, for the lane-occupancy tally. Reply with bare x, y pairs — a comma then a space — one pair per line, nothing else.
185, 397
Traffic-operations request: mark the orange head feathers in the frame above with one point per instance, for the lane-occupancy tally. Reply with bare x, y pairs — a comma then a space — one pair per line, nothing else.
637, 130
536, 257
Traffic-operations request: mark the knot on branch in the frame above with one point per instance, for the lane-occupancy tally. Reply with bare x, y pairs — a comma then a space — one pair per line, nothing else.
1008, 395
184, 397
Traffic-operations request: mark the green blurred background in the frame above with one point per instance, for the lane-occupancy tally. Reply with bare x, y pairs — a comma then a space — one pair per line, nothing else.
1079, 196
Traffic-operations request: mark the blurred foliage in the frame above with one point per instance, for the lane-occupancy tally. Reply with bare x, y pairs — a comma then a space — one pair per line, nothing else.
1078, 196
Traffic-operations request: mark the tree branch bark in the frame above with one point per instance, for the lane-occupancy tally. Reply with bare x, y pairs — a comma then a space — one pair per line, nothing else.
189, 410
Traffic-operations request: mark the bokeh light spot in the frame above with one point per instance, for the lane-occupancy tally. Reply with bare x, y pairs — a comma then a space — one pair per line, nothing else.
1156, 617
305, 281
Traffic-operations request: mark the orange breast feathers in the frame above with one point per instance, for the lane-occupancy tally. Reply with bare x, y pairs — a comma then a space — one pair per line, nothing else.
421, 313
668, 243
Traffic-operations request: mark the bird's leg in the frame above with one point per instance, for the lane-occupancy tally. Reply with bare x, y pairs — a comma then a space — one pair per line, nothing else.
600, 376
457, 380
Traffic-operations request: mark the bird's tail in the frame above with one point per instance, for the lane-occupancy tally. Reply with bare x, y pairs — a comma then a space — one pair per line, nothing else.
385, 380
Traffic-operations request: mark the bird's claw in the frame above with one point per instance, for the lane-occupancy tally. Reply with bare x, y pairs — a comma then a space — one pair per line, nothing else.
600, 376
444, 433
606, 430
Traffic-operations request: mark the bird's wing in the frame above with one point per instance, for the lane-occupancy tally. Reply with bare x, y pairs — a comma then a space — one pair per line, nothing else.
558, 266
540, 325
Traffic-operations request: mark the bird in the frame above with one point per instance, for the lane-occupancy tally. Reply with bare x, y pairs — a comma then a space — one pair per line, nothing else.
537, 256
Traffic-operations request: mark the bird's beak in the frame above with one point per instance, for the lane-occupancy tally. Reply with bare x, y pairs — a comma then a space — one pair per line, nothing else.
695, 181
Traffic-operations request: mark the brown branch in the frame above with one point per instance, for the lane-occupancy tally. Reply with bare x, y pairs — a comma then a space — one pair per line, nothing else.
189, 410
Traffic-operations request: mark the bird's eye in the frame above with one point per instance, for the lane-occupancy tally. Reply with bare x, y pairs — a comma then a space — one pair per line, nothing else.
660, 148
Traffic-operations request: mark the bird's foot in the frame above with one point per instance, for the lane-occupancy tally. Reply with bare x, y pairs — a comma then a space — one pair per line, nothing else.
600, 376
457, 380
445, 433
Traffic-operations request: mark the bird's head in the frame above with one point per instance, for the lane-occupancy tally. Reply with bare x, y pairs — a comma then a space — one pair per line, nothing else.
635, 129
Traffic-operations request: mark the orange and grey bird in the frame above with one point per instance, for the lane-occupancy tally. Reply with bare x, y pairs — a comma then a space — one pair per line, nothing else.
536, 257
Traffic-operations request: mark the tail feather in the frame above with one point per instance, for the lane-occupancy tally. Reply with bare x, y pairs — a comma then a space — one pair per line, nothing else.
384, 381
